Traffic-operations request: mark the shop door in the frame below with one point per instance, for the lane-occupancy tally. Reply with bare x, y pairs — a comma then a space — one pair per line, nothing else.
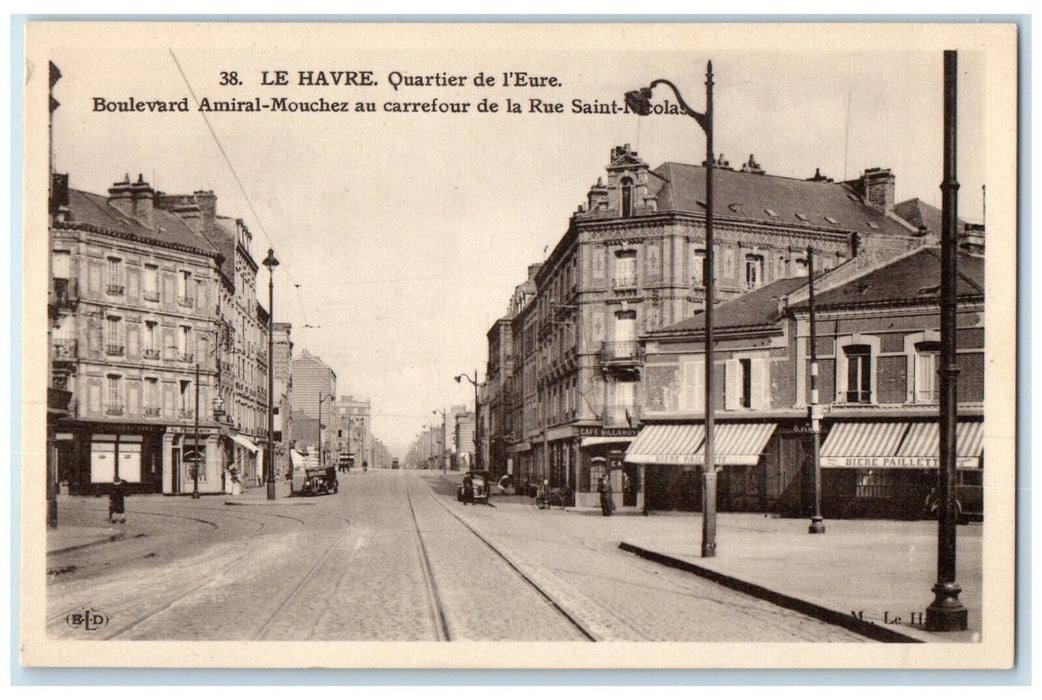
630, 485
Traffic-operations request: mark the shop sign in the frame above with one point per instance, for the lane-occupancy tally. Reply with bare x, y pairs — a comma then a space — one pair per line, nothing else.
597, 431
895, 462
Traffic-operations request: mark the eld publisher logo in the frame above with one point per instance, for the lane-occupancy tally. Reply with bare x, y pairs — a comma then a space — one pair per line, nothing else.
88, 620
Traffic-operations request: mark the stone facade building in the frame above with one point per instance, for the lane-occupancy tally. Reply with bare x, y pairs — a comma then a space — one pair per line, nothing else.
631, 262
350, 431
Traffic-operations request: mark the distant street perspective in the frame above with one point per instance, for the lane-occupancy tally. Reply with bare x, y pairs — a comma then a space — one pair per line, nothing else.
393, 556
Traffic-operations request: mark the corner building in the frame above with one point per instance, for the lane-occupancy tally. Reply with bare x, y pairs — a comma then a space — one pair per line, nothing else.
631, 262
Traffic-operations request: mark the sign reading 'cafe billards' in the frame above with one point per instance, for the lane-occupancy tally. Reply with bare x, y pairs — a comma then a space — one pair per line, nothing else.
896, 462
594, 431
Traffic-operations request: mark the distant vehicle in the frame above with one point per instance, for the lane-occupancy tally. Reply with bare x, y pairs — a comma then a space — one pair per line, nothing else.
394, 463
478, 492
321, 480
969, 503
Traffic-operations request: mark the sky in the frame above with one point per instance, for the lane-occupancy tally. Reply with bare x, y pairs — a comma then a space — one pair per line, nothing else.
402, 236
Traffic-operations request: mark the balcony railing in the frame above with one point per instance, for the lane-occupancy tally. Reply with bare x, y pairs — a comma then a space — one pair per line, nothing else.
150, 354
620, 351
113, 349
63, 350
151, 411
150, 295
114, 289
113, 410
185, 413
624, 281
186, 301
185, 356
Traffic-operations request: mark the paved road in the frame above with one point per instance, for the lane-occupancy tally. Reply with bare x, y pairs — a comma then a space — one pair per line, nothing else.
393, 556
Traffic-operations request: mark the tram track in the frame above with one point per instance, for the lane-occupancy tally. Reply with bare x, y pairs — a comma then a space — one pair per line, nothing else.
442, 628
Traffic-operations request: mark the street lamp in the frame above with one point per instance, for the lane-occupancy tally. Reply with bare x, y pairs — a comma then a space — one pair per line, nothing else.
639, 101
321, 398
477, 449
444, 446
817, 522
271, 262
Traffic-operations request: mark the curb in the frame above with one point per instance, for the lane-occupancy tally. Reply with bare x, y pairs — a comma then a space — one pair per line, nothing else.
92, 543
863, 627
266, 504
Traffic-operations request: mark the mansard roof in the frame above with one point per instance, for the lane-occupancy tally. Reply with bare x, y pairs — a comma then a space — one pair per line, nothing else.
770, 198
758, 308
93, 212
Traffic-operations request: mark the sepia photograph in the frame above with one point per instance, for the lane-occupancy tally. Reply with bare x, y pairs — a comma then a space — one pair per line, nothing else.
341, 341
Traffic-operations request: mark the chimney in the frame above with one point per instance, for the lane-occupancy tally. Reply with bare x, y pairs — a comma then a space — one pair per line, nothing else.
597, 197
877, 188
818, 177
143, 202
191, 214
534, 269
207, 202
752, 166
120, 196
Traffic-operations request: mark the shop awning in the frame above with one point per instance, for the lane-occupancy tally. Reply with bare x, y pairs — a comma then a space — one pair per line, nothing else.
604, 440
863, 445
920, 449
738, 443
673, 443
245, 442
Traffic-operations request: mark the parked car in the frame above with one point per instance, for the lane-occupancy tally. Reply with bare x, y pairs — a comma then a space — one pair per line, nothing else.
478, 491
969, 503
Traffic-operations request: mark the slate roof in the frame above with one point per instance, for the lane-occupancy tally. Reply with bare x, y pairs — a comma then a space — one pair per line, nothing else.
743, 195
94, 211
756, 309
920, 214
912, 278
221, 234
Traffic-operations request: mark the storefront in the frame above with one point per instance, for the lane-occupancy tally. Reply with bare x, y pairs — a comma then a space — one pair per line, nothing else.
671, 457
599, 452
89, 458
888, 469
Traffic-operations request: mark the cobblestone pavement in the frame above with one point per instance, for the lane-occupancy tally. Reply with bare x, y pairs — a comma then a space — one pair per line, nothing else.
351, 567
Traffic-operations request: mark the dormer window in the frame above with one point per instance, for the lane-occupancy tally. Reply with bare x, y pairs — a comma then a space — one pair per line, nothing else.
873, 226
771, 213
831, 220
802, 217
627, 197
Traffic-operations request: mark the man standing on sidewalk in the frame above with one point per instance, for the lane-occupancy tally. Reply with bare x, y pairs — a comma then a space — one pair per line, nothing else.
607, 504
117, 497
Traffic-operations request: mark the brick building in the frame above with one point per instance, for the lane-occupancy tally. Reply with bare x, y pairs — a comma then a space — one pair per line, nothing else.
877, 346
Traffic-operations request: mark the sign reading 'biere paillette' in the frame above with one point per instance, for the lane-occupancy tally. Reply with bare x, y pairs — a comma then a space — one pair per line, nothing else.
896, 462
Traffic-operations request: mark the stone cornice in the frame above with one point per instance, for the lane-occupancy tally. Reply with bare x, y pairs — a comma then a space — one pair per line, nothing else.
127, 236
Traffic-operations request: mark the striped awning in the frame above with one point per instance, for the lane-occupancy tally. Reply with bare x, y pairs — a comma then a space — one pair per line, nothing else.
738, 443
922, 443
245, 442
673, 443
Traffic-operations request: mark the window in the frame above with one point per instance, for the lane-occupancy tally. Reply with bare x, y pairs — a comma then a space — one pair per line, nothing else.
113, 395
185, 402
183, 343
626, 268
114, 276
151, 397
874, 484
627, 197
184, 288
698, 261
113, 335
801, 267
753, 271
927, 358
859, 373
150, 341
746, 399
150, 283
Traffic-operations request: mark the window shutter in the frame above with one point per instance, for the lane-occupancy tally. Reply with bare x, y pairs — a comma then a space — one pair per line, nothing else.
732, 385
758, 383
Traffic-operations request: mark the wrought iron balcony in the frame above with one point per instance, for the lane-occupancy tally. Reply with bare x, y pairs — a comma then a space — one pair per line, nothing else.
63, 350
185, 356
113, 349
114, 289
113, 410
150, 295
186, 301
151, 411
185, 413
58, 399
624, 281
151, 354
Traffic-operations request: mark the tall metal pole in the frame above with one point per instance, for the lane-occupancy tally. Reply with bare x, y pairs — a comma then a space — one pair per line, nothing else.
195, 471
709, 469
270, 262
477, 444
946, 613
817, 522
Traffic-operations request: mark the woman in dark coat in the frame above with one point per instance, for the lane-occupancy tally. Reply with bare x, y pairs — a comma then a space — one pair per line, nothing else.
607, 504
117, 498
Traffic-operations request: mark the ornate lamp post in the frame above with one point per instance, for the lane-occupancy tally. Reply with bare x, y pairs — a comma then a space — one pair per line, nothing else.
477, 446
639, 101
271, 263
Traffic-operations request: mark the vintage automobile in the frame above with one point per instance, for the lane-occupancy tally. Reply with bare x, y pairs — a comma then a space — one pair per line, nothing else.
322, 480
478, 490
969, 503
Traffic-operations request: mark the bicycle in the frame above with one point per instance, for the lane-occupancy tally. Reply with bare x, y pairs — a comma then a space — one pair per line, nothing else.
556, 497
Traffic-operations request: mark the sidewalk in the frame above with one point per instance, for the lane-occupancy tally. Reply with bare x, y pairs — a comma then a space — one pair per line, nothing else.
873, 576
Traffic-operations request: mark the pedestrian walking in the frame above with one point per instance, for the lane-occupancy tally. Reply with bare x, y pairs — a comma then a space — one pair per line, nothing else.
117, 501
468, 489
607, 504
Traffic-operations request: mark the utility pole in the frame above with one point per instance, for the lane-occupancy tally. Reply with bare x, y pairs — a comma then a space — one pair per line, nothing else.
817, 524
